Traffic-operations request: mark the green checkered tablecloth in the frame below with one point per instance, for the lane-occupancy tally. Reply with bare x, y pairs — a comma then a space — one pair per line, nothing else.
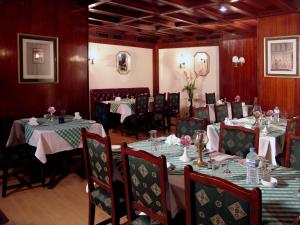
114, 105
279, 204
276, 130
69, 131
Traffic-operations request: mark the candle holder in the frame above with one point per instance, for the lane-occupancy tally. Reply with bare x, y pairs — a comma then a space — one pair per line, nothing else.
200, 140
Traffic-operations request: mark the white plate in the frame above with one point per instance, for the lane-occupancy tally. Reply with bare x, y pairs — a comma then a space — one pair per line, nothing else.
116, 148
92, 121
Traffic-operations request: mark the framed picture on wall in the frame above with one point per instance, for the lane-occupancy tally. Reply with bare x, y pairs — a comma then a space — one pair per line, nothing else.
282, 56
38, 59
123, 62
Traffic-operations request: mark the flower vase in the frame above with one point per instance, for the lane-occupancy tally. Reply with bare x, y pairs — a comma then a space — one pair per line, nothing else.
51, 117
185, 157
191, 107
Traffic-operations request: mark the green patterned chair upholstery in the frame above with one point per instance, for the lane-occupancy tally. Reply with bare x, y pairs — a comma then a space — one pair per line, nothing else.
237, 110
187, 126
146, 183
103, 192
210, 98
159, 111
215, 201
173, 108
201, 113
221, 112
292, 128
250, 110
292, 152
235, 140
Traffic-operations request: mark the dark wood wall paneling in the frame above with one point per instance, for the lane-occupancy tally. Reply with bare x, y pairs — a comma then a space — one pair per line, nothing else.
284, 92
65, 19
240, 80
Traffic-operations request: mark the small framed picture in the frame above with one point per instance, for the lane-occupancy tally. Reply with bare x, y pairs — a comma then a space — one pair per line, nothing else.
38, 59
282, 56
123, 62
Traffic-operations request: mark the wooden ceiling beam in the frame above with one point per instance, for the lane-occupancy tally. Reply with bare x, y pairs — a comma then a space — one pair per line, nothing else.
139, 6
99, 2
242, 8
102, 17
284, 5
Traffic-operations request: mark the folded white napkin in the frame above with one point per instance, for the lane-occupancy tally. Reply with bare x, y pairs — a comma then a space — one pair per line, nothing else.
77, 117
172, 140
118, 99
219, 102
33, 121
219, 156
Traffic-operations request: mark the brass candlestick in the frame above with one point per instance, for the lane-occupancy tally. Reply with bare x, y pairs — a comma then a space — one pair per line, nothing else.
200, 140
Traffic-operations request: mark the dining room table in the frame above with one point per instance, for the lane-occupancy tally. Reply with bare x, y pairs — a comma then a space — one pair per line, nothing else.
125, 107
50, 137
280, 205
271, 139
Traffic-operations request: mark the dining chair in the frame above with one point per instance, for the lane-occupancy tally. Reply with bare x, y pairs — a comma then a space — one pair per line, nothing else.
210, 98
237, 110
221, 112
102, 190
292, 128
146, 185
235, 140
108, 119
213, 200
291, 154
159, 112
140, 119
188, 125
16, 162
201, 113
173, 108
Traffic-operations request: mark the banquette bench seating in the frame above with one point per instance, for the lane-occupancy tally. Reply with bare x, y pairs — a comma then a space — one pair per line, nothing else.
99, 95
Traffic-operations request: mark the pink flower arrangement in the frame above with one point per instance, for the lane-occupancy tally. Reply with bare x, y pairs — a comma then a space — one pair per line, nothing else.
270, 112
185, 140
51, 110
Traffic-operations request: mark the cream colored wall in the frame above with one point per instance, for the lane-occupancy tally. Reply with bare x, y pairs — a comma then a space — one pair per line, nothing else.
103, 73
171, 77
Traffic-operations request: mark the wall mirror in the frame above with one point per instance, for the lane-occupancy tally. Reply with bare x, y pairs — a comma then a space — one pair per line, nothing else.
123, 62
201, 63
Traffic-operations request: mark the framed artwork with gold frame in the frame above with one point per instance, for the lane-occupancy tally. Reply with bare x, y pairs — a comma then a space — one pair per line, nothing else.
123, 61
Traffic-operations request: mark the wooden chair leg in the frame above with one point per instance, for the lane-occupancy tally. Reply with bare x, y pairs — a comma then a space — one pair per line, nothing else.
4, 182
91, 213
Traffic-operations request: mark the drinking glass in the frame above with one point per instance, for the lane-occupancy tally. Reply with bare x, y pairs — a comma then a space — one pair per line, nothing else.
227, 171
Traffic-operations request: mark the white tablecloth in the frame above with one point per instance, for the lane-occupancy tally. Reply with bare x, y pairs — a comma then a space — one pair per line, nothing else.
212, 115
268, 145
45, 141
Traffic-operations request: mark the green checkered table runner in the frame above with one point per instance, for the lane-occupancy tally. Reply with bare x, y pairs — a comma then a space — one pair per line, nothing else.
114, 105
279, 204
69, 131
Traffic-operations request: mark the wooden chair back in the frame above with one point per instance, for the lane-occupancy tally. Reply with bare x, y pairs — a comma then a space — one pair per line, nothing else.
237, 110
210, 199
141, 104
201, 113
291, 155
159, 103
173, 103
221, 112
187, 125
235, 140
146, 183
210, 98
